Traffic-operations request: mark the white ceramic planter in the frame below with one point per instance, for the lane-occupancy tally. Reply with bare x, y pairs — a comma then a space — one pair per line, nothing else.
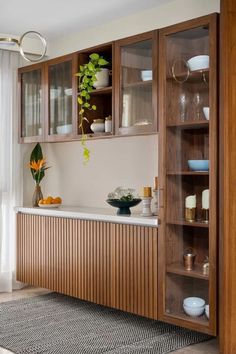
102, 79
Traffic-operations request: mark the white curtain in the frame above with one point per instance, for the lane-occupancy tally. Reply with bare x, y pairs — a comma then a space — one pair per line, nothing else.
10, 167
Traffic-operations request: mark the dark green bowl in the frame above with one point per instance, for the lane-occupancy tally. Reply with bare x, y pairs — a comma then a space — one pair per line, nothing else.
123, 206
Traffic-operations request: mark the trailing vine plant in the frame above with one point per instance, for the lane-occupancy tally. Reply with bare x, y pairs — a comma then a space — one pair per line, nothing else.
87, 78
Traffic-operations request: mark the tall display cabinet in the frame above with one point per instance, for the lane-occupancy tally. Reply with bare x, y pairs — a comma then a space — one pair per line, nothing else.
188, 131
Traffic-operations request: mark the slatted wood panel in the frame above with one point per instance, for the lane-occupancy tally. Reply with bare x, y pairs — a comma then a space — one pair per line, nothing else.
109, 264
134, 269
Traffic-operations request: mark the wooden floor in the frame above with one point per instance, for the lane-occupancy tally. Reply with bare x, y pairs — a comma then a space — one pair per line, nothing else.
210, 347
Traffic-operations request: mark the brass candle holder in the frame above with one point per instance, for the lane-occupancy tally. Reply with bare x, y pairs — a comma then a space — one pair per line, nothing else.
205, 215
190, 214
188, 260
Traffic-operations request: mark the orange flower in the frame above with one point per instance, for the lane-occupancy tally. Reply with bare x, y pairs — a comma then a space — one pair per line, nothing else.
37, 165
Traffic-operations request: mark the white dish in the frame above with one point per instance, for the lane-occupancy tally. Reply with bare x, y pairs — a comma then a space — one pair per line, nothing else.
206, 112
146, 75
207, 311
194, 302
194, 311
64, 129
198, 62
68, 91
49, 205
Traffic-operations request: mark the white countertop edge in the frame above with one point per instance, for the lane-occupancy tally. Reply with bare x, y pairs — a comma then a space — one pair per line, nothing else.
98, 214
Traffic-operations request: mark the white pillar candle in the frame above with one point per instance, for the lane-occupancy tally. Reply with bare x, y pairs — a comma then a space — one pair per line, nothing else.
205, 199
190, 202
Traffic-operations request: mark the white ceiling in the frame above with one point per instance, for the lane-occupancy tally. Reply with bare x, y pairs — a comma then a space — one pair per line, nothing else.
54, 18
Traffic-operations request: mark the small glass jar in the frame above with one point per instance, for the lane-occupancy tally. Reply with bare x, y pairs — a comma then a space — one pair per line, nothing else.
108, 124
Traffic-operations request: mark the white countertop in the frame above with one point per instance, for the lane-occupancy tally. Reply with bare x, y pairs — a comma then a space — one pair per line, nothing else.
108, 215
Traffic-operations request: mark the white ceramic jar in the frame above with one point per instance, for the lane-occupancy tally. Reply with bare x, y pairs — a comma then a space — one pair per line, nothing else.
98, 126
102, 79
108, 124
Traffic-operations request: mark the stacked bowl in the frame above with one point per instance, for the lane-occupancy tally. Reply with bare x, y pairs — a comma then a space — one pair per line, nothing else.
194, 306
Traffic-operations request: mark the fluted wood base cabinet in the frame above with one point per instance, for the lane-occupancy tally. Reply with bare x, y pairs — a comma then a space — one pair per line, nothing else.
109, 264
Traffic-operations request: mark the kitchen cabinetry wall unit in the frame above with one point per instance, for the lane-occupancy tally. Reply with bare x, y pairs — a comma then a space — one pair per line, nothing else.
102, 98
187, 134
136, 84
31, 81
102, 262
60, 98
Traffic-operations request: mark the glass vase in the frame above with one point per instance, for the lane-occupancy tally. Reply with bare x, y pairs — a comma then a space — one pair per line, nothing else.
37, 196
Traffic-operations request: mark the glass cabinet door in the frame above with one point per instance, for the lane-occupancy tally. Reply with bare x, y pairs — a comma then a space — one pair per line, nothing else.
188, 170
31, 103
136, 84
60, 99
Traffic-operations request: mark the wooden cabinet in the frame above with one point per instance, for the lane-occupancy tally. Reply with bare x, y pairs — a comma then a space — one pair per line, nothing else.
31, 81
187, 133
136, 84
61, 98
109, 264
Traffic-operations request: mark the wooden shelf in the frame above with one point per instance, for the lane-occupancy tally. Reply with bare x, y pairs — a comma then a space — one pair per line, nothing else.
194, 76
202, 320
188, 173
137, 84
186, 223
102, 91
197, 124
178, 268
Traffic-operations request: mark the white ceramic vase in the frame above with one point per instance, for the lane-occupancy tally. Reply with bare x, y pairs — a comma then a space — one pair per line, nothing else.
102, 79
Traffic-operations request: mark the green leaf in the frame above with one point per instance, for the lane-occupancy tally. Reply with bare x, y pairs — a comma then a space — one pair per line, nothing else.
94, 107
102, 62
80, 100
94, 56
83, 93
90, 66
87, 105
37, 153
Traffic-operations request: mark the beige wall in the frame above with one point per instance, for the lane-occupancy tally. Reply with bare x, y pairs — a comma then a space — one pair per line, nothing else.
124, 161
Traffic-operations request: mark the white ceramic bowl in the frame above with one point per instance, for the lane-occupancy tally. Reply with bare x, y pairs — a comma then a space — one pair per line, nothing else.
146, 75
194, 311
98, 126
206, 112
207, 311
64, 129
198, 62
194, 302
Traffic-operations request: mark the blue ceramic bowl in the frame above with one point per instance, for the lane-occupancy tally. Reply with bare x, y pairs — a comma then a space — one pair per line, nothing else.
198, 165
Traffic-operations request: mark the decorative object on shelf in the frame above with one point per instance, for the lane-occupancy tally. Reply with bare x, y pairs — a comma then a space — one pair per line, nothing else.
37, 167
189, 259
146, 195
205, 205
108, 124
198, 165
156, 196
87, 78
123, 199
190, 208
98, 126
12, 41
205, 267
173, 71
102, 79
197, 102
206, 112
183, 102
199, 62
207, 311
194, 306
64, 129
146, 75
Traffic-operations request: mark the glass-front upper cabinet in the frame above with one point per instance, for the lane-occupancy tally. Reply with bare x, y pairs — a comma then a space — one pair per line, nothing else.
31, 103
61, 98
136, 84
188, 174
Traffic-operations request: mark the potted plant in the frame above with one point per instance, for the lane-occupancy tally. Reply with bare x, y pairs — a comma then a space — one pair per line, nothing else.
87, 78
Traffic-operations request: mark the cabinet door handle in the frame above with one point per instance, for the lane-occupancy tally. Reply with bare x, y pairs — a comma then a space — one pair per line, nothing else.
161, 197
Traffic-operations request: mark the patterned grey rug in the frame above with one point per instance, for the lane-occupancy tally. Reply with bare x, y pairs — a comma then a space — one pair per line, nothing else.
58, 324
